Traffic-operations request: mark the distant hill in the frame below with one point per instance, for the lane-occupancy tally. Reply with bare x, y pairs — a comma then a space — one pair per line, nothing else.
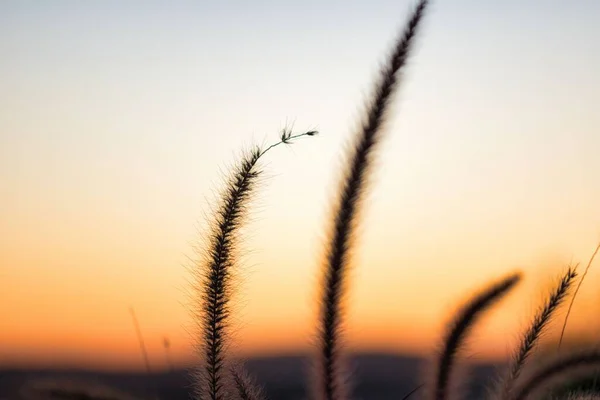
374, 377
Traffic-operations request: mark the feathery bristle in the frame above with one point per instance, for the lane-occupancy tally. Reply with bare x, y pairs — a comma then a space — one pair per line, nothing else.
552, 372
214, 276
587, 268
245, 385
460, 326
330, 385
532, 335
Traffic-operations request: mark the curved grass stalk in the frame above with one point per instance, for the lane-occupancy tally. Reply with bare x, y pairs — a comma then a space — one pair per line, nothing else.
460, 326
330, 382
532, 335
214, 276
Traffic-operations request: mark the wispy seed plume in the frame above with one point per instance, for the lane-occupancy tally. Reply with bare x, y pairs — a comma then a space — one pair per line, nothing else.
246, 388
329, 385
587, 268
459, 328
553, 372
213, 276
532, 335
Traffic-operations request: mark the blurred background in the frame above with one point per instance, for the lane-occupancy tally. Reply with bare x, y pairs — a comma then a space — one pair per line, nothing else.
118, 121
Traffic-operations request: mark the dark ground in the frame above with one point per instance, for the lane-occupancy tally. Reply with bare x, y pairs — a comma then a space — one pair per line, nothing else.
374, 377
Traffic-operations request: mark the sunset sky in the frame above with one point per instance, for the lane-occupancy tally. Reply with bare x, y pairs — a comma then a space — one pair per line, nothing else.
118, 120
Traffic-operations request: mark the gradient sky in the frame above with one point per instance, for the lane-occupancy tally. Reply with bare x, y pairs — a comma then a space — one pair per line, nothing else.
117, 120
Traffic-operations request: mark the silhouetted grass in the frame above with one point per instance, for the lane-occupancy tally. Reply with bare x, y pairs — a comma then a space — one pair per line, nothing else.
582, 396
460, 326
550, 373
532, 335
245, 385
547, 373
412, 392
214, 275
214, 284
140, 338
330, 384
587, 268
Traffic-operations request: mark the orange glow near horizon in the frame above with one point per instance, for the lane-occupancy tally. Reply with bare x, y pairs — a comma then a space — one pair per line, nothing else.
99, 336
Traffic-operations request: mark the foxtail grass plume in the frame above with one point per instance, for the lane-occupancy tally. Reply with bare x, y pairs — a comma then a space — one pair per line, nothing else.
587, 268
330, 385
213, 276
458, 329
532, 335
246, 388
553, 373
